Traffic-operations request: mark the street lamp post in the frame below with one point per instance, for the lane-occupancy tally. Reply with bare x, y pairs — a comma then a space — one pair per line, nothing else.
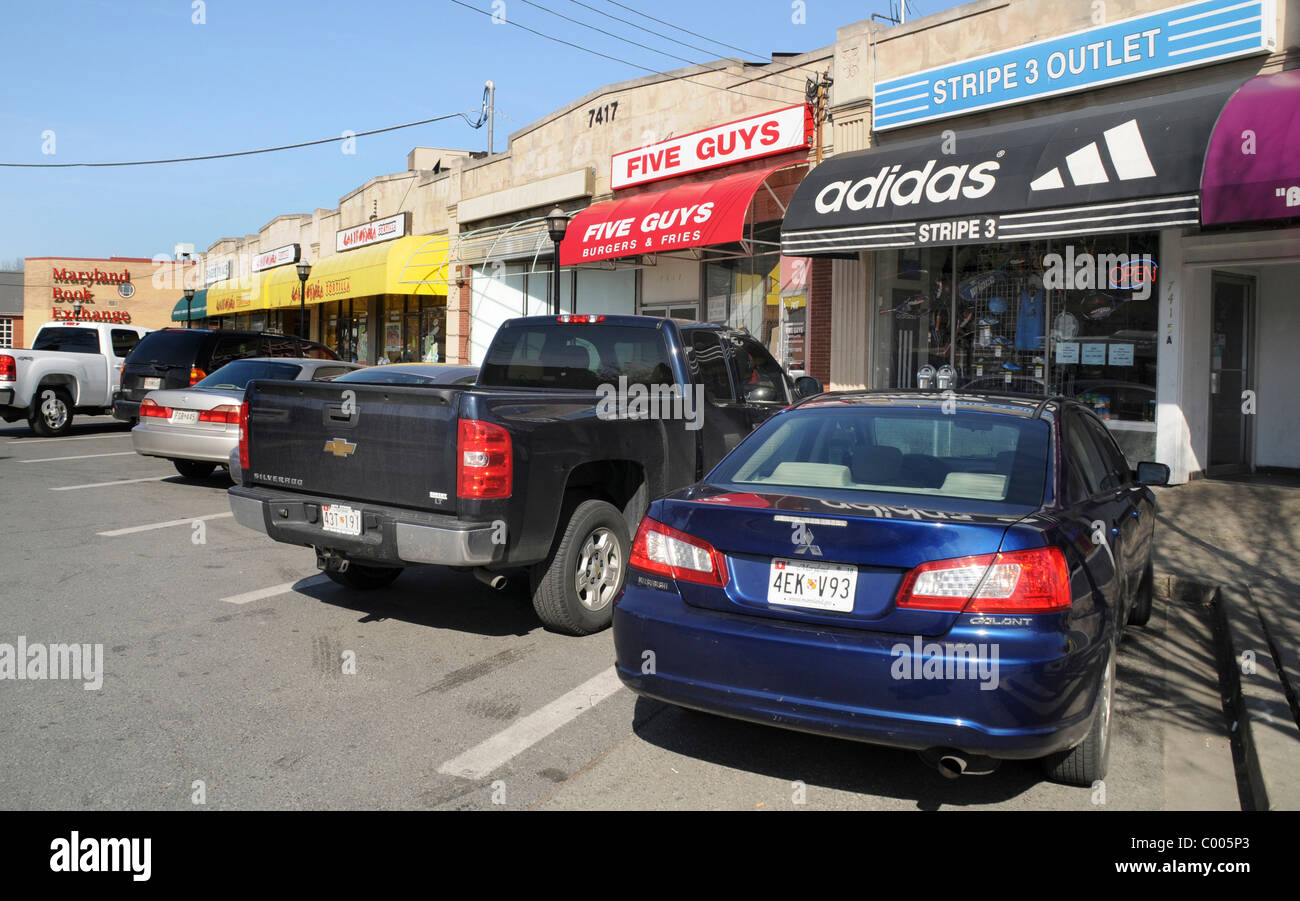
557, 223
304, 270
189, 299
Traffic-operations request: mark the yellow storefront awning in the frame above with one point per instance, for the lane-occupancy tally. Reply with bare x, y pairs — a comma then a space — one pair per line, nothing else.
238, 295
416, 264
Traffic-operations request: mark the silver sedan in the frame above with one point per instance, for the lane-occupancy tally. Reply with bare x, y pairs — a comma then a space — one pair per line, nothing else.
197, 427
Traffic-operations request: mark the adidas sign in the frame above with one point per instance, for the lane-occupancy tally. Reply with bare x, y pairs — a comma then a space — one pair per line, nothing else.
889, 186
1128, 157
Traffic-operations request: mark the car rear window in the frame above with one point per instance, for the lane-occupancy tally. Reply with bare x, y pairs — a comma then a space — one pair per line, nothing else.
68, 340
179, 347
582, 356
239, 373
968, 455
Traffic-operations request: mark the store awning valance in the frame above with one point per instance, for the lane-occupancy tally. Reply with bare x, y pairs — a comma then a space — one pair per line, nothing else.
237, 295
1252, 166
697, 214
1129, 166
416, 264
197, 308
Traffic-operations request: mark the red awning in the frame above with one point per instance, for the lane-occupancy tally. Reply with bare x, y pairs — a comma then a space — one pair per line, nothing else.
690, 215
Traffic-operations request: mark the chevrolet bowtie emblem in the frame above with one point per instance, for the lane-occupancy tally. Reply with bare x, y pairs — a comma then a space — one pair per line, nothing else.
340, 447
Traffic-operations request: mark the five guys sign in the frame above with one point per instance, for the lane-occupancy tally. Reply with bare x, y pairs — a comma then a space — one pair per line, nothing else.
779, 131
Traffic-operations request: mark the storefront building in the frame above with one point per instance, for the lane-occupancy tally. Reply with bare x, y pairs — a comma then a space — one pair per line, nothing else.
127, 290
1032, 215
11, 308
660, 152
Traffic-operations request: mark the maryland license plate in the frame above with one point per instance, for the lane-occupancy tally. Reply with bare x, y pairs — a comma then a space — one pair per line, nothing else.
341, 519
814, 586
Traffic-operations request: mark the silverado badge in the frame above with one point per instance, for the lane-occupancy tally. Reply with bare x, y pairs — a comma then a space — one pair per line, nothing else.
340, 447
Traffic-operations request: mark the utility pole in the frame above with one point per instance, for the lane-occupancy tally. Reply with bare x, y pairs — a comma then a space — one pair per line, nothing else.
819, 95
491, 112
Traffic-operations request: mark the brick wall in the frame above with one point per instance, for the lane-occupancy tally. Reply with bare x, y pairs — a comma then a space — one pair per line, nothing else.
819, 320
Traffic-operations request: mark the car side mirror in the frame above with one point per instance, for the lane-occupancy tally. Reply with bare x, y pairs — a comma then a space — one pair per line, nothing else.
760, 394
1149, 473
807, 386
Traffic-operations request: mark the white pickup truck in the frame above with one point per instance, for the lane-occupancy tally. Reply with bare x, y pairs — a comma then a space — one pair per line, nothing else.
72, 367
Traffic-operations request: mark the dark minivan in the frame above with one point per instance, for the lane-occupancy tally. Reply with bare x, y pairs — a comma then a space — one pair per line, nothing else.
179, 357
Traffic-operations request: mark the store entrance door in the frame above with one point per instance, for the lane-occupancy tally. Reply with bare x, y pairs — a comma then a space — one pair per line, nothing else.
1231, 374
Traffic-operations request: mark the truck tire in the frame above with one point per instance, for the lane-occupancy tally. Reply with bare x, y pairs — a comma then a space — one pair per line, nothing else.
574, 590
194, 469
51, 412
364, 578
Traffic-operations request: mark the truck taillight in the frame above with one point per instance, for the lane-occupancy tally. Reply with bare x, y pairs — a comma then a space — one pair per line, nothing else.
150, 407
243, 436
196, 375
670, 552
228, 413
484, 460
8, 368
579, 318
1030, 581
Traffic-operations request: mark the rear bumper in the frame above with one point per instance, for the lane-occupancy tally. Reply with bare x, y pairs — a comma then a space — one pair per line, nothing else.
126, 410
1038, 698
177, 444
389, 535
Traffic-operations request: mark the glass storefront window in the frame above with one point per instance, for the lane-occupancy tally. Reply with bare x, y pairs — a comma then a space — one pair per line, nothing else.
1072, 316
394, 310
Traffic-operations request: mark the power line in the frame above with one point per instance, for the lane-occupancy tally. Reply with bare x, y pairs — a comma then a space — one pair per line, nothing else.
220, 156
658, 34
686, 30
615, 59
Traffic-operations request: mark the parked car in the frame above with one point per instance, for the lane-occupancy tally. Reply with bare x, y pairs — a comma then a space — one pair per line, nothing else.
413, 374
72, 367
197, 427
182, 357
877, 567
544, 464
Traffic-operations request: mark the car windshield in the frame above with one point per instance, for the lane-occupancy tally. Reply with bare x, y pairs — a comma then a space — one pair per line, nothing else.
865, 450
238, 374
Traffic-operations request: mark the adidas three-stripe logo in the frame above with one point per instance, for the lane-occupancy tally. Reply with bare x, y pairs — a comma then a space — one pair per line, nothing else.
1128, 154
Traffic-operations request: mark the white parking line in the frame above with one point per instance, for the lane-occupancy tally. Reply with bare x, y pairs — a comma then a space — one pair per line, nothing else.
80, 457
162, 525
118, 482
74, 438
482, 759
249, 597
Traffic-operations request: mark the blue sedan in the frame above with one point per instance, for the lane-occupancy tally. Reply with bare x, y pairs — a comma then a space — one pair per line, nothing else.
944, 573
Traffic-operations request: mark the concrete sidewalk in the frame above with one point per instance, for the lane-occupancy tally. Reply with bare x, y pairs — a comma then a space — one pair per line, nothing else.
1236, 544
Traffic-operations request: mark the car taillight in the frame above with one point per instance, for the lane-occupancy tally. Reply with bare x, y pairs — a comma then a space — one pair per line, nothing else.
1029, 581
150, 407
670, 552
485, 460
579, 318
225, 413
197, 375
8, 368
243, 436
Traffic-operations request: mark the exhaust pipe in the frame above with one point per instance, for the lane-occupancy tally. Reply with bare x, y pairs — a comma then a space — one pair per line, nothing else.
495, 581
951, 766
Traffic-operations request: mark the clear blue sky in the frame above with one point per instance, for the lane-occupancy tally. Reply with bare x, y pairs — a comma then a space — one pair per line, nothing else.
137, 79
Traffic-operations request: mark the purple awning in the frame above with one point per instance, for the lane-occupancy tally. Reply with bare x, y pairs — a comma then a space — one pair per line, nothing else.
1252, 166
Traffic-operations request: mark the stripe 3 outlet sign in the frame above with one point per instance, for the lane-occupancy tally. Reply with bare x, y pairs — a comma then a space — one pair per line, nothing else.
1192, 34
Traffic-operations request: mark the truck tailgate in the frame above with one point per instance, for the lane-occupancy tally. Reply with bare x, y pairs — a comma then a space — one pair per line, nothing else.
392, 444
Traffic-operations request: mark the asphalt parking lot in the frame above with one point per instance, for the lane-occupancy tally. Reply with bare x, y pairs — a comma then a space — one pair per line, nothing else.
236, 675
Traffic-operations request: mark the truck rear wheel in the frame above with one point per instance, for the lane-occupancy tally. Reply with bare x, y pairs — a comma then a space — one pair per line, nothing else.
574, 591
51, 413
